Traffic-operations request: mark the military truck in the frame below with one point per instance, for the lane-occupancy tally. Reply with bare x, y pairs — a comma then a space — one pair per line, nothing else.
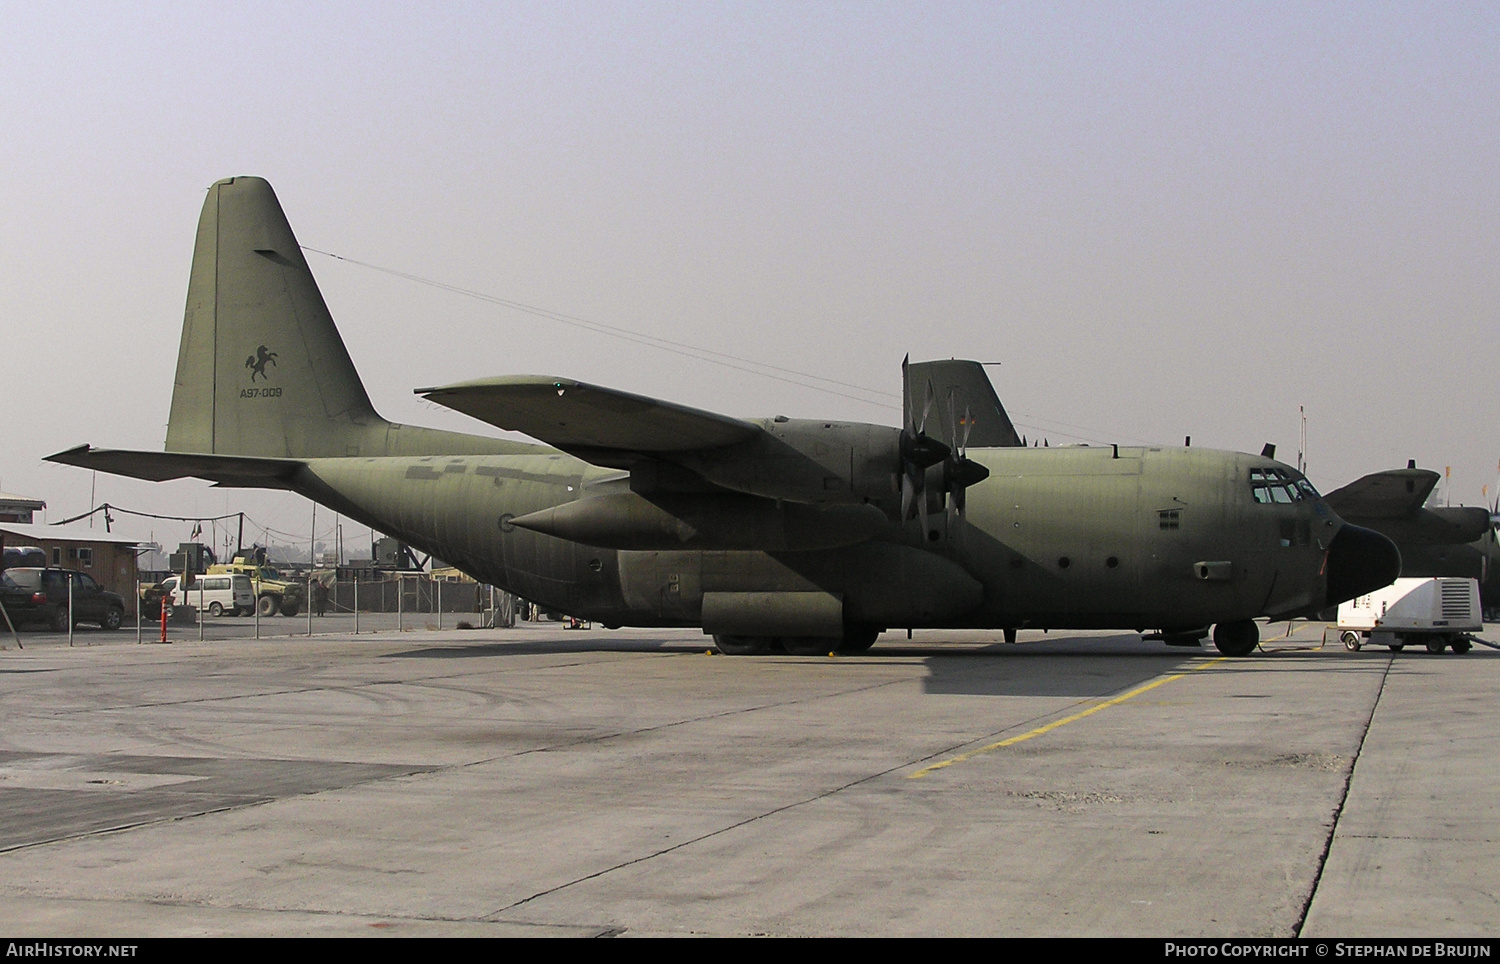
273, 593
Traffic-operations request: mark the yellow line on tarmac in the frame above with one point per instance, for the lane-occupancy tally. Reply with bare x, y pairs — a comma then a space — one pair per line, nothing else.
1049, 727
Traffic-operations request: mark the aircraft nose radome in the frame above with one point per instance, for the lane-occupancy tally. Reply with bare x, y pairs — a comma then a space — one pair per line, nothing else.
1360, 561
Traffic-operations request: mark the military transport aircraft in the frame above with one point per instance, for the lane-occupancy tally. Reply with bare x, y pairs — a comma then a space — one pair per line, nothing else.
1455, 540
804, 535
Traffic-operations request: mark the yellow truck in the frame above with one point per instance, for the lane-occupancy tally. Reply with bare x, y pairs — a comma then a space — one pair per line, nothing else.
273, 593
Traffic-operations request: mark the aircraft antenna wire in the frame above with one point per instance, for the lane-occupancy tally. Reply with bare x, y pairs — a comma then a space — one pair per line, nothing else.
684, 349
724, 359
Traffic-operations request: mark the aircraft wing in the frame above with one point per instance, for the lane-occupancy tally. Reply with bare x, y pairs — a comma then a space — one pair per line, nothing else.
600, 425
226, 470
1392, 494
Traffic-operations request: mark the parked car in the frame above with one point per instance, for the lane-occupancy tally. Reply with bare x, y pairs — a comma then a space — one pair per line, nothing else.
40, 595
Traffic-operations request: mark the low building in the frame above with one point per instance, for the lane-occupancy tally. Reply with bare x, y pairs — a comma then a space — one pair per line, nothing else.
18, 508
109, 558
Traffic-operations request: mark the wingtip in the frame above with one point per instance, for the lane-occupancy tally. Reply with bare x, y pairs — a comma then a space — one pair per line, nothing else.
62, 457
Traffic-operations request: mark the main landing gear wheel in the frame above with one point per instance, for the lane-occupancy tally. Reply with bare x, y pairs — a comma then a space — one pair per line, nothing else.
1238, 638
742, 645
1351, 641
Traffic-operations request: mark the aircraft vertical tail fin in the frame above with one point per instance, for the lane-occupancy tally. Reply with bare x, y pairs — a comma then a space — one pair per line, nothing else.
962, 395
261, 370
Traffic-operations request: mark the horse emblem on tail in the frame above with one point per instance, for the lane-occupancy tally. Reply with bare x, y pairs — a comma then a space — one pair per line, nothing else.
257, 362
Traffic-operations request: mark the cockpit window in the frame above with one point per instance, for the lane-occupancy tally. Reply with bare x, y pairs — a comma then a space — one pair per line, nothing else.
1277, 486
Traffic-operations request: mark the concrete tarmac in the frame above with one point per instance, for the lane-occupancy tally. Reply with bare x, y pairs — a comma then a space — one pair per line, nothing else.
540, 781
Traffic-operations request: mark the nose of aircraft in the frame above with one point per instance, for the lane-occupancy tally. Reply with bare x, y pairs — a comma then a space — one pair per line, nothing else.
1360, 561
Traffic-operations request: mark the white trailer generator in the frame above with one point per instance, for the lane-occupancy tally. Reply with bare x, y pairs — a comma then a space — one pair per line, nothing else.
1439, 613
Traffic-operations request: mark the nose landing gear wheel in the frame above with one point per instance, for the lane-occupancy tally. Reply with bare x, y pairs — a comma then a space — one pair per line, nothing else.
1238, 638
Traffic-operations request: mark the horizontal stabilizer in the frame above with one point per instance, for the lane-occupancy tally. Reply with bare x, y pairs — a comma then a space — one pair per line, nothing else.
229, 470
1393, 494
600, 425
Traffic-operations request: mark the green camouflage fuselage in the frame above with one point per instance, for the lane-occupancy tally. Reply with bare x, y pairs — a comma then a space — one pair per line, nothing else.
1064, 537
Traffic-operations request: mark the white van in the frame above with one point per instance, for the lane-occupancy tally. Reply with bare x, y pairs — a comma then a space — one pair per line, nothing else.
215, 595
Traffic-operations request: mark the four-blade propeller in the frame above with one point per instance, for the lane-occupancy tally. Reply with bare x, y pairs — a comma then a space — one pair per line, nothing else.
929, 463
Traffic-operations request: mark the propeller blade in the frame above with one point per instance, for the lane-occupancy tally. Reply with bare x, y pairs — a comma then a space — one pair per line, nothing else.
952, 420
911, 409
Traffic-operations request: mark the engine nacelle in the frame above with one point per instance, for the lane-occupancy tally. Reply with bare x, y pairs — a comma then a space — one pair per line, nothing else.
628, 520
807, 461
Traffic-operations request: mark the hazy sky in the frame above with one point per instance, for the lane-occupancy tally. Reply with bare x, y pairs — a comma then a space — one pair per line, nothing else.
1164, 219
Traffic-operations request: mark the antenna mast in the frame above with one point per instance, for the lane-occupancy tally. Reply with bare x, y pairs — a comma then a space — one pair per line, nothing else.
1302, 441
